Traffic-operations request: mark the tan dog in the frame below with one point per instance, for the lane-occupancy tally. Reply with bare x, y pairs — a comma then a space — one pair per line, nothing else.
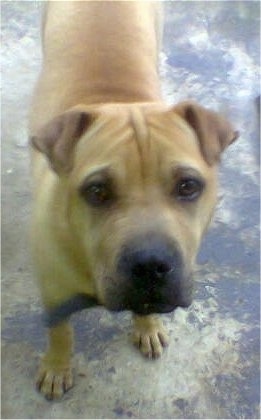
125, 186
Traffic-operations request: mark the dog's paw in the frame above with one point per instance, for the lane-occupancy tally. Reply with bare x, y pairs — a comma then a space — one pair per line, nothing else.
150, 336
53, 382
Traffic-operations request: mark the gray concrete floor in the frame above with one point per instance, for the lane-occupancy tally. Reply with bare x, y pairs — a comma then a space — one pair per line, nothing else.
211, 368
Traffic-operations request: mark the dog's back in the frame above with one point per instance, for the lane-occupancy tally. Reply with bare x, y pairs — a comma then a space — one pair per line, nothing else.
96, 52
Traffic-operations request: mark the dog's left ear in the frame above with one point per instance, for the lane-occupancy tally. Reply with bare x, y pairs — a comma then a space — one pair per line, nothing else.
213, 131
58, 138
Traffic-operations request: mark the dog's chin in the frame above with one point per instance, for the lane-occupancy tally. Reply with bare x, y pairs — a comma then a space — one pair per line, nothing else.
153, 308
159, 308
144, 309
145, 303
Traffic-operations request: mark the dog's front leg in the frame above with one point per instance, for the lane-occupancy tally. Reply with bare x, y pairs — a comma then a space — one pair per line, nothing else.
149, 335
54, 377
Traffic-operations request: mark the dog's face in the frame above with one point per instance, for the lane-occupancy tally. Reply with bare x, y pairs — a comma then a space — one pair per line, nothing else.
140, 187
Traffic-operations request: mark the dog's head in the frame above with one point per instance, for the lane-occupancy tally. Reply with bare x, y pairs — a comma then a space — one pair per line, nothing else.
139, 183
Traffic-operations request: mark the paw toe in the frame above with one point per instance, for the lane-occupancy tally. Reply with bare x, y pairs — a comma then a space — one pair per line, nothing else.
54, 383
151, 342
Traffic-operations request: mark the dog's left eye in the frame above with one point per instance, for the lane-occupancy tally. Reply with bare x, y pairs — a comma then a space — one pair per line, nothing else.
97, 194
189, 189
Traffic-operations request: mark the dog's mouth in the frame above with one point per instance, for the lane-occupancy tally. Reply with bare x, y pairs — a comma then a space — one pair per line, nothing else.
150, 308
145, 303
118, 299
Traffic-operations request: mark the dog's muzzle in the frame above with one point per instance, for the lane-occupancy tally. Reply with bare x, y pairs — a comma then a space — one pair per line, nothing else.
151, 278
154, 279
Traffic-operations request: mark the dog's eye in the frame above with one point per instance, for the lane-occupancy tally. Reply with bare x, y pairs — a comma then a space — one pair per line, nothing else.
189, 189
97, 194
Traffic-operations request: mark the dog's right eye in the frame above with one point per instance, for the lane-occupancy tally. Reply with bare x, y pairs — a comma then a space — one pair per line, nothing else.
97, 194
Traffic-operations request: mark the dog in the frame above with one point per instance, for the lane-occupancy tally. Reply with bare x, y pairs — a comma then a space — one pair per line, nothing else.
124, 185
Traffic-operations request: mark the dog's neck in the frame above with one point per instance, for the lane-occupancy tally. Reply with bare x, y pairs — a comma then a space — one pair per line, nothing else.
105, 92
62, 312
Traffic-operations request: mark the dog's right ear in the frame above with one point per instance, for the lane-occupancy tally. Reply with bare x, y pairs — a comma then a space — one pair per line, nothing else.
58, 138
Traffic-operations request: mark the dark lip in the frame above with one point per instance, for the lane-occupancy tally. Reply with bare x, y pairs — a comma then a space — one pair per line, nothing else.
150, 308
144, 308
63, 311
147, 308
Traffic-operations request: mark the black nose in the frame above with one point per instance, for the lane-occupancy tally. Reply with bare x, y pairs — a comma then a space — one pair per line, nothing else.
148, 263
151, 270
147, 266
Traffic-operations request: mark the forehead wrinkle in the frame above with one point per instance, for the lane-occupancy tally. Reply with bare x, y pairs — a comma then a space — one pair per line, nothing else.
141, 133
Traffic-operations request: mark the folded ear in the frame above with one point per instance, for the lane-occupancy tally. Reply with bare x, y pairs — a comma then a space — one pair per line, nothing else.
58, 138
213, 131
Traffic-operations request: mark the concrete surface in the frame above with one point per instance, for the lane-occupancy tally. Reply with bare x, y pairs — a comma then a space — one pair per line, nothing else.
211, 369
